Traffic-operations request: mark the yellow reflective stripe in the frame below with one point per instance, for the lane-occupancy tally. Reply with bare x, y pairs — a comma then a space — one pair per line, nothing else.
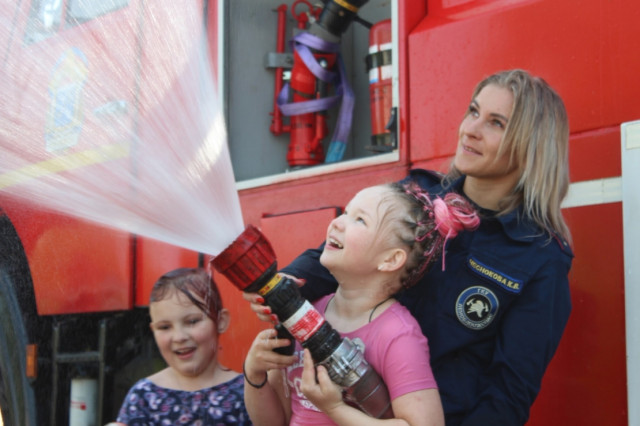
72, 161
270, 285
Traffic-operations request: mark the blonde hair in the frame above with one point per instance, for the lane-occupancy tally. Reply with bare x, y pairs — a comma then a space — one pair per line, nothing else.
537, 140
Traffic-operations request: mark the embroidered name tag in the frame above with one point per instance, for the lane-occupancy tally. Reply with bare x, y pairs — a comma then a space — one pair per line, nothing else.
508, 283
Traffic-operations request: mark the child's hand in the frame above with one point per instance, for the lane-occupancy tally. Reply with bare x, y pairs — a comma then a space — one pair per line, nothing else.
262, 358
323, 393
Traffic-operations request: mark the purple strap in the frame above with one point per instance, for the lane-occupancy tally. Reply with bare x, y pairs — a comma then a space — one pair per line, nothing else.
343, 125
304, 107
301, 44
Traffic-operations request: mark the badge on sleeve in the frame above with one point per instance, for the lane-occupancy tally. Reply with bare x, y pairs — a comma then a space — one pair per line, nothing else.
476, 307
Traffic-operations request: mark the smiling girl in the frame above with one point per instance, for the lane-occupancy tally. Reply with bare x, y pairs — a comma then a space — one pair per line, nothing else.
186, 319
386, 239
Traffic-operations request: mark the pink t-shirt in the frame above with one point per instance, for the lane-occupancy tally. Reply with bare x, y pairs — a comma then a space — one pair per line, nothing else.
393, 345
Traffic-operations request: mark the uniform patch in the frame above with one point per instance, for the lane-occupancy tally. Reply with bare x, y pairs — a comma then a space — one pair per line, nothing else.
476, 307
508, 283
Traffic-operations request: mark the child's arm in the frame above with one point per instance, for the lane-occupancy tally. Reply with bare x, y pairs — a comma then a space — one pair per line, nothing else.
263, 392
415, 408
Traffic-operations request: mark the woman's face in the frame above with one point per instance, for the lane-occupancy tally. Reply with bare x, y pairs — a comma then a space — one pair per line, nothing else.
481, 133
186, 337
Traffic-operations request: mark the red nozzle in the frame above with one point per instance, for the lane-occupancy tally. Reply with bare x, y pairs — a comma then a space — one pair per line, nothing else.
248, 260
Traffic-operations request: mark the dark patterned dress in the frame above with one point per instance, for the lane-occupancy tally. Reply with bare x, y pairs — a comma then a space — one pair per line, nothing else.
147, 404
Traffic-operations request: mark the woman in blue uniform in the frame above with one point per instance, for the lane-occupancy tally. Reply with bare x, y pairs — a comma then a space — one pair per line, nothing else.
495, 311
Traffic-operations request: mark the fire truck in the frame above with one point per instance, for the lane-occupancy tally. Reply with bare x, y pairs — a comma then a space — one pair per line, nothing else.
74, 329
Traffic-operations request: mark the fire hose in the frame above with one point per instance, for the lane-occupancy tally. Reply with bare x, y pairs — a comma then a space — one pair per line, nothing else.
250, 264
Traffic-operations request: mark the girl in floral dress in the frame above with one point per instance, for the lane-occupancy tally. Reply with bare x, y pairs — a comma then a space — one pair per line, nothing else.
186, 319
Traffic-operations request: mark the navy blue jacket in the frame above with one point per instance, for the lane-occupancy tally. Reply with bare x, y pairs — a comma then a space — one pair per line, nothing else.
494, 317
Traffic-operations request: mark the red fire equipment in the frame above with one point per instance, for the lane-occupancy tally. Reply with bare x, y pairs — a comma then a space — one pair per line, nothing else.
308, 130
380, 90
316, 67
276, 122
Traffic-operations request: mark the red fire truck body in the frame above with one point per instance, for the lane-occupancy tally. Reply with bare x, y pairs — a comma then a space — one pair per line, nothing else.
62, 277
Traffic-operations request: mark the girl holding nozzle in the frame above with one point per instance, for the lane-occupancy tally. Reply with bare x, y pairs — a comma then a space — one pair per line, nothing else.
385, 240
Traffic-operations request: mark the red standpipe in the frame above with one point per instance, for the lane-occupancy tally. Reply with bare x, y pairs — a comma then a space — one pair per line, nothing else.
277, 128
307, 131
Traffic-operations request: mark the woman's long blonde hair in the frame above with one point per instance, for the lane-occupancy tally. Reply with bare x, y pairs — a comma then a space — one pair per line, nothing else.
537, 139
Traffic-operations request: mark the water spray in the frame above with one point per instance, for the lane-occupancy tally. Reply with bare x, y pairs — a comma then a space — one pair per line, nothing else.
250, 264
117, 119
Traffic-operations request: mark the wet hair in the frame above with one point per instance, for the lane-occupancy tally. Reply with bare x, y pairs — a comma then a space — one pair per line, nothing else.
537, 140
427, 225
196, 284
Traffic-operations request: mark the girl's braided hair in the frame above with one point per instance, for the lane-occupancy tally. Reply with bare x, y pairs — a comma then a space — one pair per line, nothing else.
431, 221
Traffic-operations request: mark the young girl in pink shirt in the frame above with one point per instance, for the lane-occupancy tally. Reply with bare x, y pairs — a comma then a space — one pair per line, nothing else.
384, 241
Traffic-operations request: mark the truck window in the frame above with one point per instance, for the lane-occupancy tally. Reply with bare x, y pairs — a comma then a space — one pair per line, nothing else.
44, 20
80, 11
46, 16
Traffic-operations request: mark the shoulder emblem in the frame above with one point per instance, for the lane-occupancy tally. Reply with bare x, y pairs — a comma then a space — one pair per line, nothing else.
476, 307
